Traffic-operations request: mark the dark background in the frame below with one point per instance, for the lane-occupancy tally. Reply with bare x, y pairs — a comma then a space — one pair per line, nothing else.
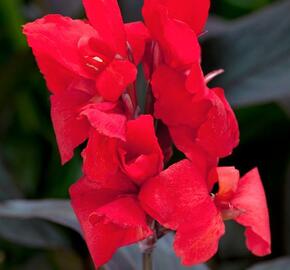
250, 39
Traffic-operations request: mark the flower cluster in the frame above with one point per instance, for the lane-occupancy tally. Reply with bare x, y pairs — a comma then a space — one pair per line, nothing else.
128, 192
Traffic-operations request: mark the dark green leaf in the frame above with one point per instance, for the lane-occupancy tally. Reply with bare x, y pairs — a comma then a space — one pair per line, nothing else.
8, 189
58, 211
287, 210
255, 53
32, 233
277, 264
232, 244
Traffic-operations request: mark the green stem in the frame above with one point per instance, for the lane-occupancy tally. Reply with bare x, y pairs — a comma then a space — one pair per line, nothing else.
12, 20
147, 247
147, 260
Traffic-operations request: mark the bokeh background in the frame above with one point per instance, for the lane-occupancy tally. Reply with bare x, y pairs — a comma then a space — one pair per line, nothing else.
250, 39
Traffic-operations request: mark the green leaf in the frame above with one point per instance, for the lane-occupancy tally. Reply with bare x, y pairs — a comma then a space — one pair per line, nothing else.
8, 189
255, 53
277, 264
25, 222
12, 19
57, 211
32, 233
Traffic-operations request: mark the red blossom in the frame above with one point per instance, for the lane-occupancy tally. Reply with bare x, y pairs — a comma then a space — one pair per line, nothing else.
90, 69
106, 200
84, 63
110, 218
178, 42
180, 195
205, 119
192, 12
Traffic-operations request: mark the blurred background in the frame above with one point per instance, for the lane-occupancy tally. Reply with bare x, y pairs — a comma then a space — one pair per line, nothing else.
250, 39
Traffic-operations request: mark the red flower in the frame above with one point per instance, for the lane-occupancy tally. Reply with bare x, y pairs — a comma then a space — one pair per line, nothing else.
90, 69
110, 218
139, 156
179, 199
177, 40
194, 13
106, 200
204, 122
85, 63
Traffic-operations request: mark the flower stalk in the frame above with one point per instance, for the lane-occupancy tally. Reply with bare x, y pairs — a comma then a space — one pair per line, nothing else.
147, 260
147, 247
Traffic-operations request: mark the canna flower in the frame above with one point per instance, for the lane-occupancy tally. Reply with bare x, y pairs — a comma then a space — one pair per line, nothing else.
106, 200
86, 63
194, 13
179, 199
90, 69
174, 27
205, 123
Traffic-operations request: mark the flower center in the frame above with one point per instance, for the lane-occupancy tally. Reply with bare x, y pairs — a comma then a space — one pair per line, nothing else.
228, 211
95, 53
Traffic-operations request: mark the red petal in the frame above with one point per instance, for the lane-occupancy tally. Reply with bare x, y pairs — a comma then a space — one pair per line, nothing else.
105, 17
228, 179
103, 215
70, 129
141, 155
101, 164
195, 82
250, 198
169, 91
207, 121
112, 82
105, 120
192, 12
197, 240
137, 35
124, 211
122, 222
176, 39
54, 41
179, 200
87, 197
184, 139
219, 134
172, 196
